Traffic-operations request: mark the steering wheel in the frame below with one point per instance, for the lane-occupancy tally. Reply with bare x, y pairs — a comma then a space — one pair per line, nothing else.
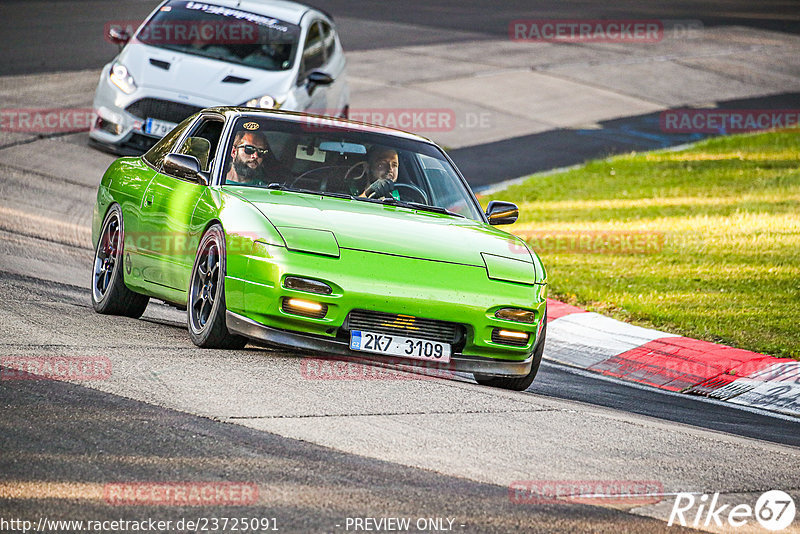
415, 191
357, 172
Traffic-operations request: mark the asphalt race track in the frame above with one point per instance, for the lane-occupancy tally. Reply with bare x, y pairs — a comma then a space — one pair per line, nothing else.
59, 35
319, 453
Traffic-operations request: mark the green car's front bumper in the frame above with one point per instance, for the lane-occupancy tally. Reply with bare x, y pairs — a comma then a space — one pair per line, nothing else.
362, 280
239, 324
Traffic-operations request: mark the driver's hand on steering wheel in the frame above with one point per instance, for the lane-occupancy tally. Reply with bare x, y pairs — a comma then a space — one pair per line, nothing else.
380, 188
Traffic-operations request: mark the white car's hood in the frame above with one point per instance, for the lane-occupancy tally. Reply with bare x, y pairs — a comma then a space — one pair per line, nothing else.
193, 77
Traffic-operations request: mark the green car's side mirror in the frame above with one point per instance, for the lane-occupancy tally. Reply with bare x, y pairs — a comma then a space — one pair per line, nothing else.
184, 166
499, 212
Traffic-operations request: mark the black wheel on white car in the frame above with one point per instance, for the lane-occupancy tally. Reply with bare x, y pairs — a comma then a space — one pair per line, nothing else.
518, 383
110, 295
206, 307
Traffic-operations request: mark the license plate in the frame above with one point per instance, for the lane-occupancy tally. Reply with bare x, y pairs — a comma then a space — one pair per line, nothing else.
157, 127
403, 347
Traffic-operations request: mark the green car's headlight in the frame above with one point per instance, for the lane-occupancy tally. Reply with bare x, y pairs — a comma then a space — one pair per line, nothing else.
308, 285
516, 314
122, 78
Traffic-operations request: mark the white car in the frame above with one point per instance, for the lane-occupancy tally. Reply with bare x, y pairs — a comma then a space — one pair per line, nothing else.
188, 55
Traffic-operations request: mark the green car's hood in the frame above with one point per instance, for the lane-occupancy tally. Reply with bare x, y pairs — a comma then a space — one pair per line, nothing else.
383, 228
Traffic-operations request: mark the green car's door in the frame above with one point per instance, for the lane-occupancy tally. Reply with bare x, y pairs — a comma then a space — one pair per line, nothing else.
164, 229
130, 189
168, 226
127, 189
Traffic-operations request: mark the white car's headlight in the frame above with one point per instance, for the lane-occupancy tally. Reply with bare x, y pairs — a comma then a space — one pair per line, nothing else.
122, 78
264, 102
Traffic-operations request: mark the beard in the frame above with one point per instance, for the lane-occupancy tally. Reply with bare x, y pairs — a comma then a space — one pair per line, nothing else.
245, 172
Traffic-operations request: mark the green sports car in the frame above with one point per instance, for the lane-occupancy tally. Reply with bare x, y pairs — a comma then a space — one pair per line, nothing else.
323, 235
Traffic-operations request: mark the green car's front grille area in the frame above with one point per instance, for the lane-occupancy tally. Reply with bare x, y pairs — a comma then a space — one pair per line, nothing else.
404, 325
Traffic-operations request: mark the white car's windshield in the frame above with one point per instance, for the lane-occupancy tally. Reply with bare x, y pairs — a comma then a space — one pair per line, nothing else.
222, 33
340, 161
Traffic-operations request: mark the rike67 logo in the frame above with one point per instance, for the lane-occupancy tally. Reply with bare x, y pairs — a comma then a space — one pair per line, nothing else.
774, 510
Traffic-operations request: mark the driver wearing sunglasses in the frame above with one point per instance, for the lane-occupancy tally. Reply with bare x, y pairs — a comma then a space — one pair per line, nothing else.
252, 160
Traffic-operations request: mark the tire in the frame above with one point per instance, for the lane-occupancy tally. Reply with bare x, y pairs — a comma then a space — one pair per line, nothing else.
110, 295
205, 310
518, 383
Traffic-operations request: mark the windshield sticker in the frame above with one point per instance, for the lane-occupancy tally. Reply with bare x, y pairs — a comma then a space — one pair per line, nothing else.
251, 126
242, 15
309, 153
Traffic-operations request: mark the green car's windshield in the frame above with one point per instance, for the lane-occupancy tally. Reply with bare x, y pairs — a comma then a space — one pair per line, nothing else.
343, 162
222, 33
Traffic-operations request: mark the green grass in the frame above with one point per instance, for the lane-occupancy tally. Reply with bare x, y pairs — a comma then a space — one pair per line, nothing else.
729, 212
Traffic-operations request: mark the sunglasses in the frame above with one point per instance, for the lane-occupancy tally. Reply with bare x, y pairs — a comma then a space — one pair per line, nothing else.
250, 150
